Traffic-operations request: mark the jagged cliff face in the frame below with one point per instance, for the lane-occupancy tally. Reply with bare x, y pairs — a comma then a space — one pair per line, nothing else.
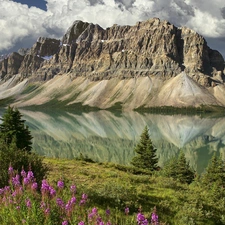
152, 59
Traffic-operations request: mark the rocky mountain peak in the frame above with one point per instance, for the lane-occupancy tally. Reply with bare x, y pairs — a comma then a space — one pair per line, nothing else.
149, 48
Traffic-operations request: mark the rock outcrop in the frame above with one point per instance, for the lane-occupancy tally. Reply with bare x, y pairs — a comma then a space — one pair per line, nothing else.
154, 49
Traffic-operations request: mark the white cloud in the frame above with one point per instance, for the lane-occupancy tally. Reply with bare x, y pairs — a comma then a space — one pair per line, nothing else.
18, 22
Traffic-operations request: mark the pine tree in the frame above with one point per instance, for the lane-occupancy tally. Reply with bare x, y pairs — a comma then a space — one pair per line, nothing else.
13, 128
145, 153
179, 169
215, 171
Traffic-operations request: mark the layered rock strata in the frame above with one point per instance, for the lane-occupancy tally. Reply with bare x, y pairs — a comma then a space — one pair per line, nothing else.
151, 47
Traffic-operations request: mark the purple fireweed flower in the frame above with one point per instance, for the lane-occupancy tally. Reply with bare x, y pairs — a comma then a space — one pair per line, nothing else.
94, 210
47, 211
73, 200
84, 196
99, 220
7, 189
52, 191
108, 223
154, 217
82, 202
26, 180
10, 170
28, 203
60, 184
14, 193
18, 207
145, 222
73, 189
107, 212
34, 186
101, 223
127, 210
30, 175
140, 217
81, 223
23, 174
91, 215
2, 191
16, 180
44, 186
68, 206
60, 202
65, 222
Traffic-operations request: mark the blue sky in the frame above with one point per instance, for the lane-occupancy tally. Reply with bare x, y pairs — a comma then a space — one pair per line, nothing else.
37, 3
22, 22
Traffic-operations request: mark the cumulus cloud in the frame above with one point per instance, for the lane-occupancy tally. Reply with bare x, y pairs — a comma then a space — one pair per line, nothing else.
18, 23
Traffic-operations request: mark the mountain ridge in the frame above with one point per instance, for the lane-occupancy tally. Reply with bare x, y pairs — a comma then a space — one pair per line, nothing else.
152, 63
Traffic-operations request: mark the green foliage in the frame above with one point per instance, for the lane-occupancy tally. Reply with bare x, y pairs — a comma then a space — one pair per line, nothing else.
13, 128
16, 146
215, 172
179, 169
145, 153
11, 155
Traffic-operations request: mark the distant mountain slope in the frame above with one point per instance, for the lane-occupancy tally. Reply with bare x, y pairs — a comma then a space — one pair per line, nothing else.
152, 63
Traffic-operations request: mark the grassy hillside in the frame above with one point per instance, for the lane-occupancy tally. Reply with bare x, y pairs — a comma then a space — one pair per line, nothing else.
116, 187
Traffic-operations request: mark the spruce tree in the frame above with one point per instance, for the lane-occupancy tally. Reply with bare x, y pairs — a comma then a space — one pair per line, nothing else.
215, 171
13, 128
145, 157
179, 169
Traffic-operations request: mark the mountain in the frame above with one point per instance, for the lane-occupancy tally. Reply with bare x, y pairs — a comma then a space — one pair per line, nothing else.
150, 64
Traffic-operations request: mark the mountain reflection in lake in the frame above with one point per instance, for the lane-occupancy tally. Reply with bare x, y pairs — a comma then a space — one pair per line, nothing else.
104, 136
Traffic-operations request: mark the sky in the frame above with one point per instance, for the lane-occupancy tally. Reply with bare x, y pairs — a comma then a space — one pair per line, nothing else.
22, 22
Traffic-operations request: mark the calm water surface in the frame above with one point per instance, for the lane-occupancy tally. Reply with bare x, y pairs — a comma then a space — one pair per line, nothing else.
107, 137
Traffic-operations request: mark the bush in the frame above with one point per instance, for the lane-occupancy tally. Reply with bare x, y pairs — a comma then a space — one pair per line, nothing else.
11, 155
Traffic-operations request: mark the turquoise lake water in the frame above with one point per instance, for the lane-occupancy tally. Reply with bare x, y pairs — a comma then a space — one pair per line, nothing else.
111, 137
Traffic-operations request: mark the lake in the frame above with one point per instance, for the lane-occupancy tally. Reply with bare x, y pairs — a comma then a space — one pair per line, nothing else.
105, 136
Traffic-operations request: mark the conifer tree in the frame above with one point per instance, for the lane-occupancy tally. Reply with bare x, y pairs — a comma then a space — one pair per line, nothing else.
13, 129
215, 171
145, 153
179, 169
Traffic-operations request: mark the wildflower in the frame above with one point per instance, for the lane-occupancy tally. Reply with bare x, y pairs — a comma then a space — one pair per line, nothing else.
30, 175
1, 191
28, 203
52, 191
16, 180
23, 174
73, 200
126, 210
91, 215
84, 196
99, 220
10, 170
94, 210
65, 222
34, 186
14, 193
60, 202
107, 212
44, 186
73, 189
26, 180
47, 211
108, 223
141, 219
81, 223
60, 184
18, 207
